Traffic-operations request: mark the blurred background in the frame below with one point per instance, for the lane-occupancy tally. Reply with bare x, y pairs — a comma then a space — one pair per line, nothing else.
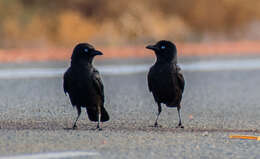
218, 44
198, 27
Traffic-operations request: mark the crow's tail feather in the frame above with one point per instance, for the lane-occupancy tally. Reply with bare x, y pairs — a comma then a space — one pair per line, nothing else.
93, 114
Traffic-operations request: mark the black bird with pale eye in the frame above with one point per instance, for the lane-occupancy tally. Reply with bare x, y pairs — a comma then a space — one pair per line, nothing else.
84, 85
165, 80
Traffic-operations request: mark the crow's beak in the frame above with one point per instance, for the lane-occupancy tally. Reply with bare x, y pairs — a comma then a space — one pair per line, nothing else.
96, 52
152, 47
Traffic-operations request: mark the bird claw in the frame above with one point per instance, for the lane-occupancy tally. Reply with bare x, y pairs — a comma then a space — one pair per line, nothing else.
156, 125
180, 126
74, 127
99, 128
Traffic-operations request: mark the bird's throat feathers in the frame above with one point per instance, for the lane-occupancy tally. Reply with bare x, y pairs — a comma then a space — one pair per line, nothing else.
82, 62
161, 59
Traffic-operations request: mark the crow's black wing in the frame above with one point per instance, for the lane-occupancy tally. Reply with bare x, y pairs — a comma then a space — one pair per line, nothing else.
149, 78
149, 83
67, 80
97, 82
180, 78
68, 86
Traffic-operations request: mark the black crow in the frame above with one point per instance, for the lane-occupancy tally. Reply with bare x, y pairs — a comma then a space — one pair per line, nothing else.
165, 80
84, 85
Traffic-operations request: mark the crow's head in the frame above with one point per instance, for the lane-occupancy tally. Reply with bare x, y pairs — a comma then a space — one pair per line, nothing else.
84, 52
164, 50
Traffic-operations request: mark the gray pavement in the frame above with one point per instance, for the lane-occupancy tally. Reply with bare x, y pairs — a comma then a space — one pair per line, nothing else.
35, 115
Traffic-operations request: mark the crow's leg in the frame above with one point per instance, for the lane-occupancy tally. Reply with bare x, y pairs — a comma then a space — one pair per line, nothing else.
79, 112
159, 112
99, 127
180, 124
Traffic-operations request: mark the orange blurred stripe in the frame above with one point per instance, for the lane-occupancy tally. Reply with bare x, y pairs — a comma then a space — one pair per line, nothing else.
244, 137
184, 49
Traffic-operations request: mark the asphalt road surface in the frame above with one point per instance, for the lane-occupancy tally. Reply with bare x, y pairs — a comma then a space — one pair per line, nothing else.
36, 115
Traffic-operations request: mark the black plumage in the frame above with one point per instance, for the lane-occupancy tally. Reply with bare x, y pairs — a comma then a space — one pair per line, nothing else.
84, 85
165, 80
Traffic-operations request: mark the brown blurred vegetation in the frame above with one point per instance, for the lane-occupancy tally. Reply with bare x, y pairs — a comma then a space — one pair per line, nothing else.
41, 23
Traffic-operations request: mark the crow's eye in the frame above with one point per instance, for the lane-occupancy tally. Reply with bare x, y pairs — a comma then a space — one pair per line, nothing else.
163, 47
86, 50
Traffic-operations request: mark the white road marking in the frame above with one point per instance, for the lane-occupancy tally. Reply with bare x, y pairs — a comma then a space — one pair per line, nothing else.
53, 155
123, 69
223, 65
30, 73
220, 65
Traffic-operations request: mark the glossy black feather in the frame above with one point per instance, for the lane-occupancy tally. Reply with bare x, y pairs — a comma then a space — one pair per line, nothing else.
83, 84
165, 79
166, 83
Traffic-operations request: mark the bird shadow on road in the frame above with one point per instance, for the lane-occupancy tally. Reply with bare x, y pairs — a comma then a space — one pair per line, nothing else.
69, 128
113, 127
